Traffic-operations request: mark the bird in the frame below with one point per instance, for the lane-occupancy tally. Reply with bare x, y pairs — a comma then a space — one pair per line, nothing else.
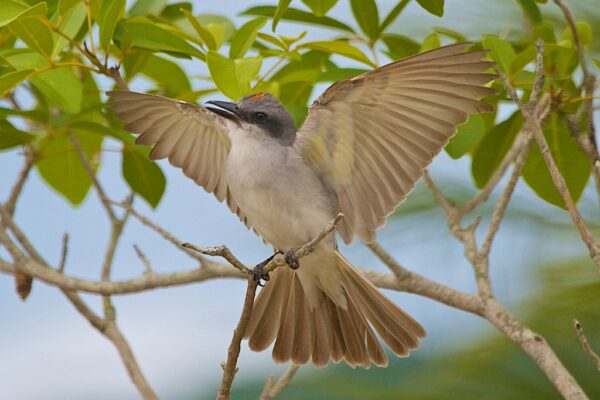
362, 147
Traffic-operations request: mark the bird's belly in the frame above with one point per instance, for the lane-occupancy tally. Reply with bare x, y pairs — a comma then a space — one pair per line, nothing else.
281, 198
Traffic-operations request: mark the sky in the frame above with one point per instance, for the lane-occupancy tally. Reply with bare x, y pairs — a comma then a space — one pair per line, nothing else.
180, 335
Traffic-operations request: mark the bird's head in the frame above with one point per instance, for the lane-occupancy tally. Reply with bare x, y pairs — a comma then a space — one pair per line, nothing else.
261, 110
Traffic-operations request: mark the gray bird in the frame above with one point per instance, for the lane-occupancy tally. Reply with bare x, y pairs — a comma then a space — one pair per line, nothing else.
360, 151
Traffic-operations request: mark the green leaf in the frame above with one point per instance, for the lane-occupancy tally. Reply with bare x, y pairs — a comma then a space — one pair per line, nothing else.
60, 166
245, 36
72, 21
293, 14
147, 7
173, 11
400, 46
452, 34
12, 79
148, 35
570, 160
432, 41
202, 32
435, 7
320, 7
34, 32
111, 13
166, 74
339, 47
11, 10
493, 147
391, 17
220, 27
531, 10
233, 77
282, 6
61, 87
365, 13
467, 137
143, 176
584, 31
65, 5
11, 136
500, 51
337, 74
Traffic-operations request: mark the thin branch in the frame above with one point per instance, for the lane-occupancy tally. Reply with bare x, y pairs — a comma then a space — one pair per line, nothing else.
11, 203
92, 175
233, 352
270, 391
143, 258
220, 251
585, 344
63, 254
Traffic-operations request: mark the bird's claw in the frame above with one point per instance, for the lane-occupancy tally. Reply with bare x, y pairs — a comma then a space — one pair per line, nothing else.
291, 259
260, 272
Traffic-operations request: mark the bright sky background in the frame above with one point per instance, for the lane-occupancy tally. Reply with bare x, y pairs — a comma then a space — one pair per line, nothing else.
180, 335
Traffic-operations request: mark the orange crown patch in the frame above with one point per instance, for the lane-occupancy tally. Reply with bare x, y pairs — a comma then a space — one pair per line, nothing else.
257, 96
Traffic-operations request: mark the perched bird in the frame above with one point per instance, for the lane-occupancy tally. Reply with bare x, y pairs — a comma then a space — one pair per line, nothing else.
360, 151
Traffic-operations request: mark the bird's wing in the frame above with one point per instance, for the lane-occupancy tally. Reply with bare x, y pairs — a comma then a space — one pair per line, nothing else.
191, 137
370, 137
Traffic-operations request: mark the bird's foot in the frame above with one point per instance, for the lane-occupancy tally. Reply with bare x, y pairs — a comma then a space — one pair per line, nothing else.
260, 272
291, 259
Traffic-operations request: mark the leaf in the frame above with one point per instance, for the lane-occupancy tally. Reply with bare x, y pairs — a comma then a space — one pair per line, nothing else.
432, 41
143, 176
337, 74
293, 14
339, 47
61, 87
435, 7
202, 32
148, 35
391, 17
147, 7
245, 36
12, 137
12, 79
584, 31
173, 11
452, 34
570, 160
166, 74
500, 51
111, 12
365, 13
72, 21
11, 10
531, 10
60, 166
320, 7
216, 24
400, 46
65, 5
493, 147
467, 137
282, 6
233, 77
34, 32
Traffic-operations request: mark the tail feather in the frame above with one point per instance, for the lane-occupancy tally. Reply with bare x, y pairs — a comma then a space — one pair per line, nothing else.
325, 328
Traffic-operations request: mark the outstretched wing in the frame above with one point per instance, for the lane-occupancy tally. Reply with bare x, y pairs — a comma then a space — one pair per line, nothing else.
191, 137
370, 137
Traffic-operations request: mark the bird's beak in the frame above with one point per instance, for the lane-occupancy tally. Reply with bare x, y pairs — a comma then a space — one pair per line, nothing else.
226, 109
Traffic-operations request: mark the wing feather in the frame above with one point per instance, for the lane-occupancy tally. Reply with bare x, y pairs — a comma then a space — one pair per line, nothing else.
370, 137
189, 136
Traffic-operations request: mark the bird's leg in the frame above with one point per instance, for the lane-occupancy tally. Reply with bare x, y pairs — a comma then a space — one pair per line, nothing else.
259, 271
291, 259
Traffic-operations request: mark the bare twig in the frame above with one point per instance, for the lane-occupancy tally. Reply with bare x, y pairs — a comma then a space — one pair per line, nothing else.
557, 178
220, 251
63, 253
143, 258
233, 352
11, 203
270, 391
585, 344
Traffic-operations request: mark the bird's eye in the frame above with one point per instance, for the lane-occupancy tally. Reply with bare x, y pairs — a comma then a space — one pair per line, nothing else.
260, 116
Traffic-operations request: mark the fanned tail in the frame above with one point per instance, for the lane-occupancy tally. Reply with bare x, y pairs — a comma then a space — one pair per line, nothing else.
321, 328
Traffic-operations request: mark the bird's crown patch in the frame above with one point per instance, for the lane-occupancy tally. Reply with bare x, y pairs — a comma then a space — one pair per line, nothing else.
257, 96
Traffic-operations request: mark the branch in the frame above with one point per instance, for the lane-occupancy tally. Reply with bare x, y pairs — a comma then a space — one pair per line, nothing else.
585, 344
534, 125
271, 391
233, 352
11, 203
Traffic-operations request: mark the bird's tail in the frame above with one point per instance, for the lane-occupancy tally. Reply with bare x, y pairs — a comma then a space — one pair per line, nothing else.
324, 328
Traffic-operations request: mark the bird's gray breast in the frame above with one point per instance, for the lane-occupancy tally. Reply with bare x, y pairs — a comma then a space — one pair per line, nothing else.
281, 196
